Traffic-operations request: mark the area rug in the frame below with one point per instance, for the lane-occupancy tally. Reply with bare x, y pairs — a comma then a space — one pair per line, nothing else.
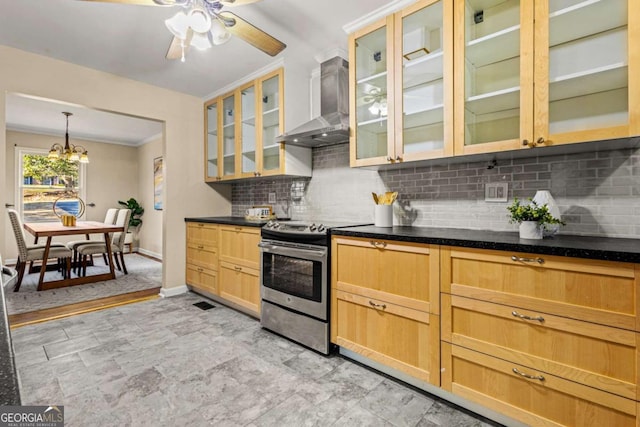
144, 273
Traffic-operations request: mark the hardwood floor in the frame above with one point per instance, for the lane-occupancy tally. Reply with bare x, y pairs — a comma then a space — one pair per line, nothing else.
29, 318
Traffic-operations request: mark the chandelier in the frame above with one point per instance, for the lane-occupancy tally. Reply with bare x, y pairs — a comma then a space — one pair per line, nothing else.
73, 153
196, 27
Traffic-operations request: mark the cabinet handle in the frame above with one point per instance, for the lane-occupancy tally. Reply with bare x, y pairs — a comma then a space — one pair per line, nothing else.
389, 159
199, 269
200, 247
238, 268
373, 304
540, 140
531, 377
237, 228
521, 259
378, 244
398, 158
200, 224
525, 317
525, 142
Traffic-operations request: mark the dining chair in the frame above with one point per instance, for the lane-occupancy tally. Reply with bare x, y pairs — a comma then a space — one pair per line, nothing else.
117, 244
30, 253
109, 218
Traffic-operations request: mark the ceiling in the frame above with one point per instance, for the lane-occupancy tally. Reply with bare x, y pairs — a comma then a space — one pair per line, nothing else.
132, 40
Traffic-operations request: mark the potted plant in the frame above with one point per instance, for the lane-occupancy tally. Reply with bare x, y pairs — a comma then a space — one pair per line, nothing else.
134, 220
532, 218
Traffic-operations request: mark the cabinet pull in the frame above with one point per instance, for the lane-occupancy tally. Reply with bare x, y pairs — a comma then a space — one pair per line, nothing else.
200, 247
378, 244
525, 142
237, 228
531, 377
389, 159
238, 268
521, 259
398, 158
199, 269
540, 140
525, 317
200, 224
373, 304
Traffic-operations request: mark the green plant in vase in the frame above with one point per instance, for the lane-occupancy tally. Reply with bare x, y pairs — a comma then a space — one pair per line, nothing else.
532, 218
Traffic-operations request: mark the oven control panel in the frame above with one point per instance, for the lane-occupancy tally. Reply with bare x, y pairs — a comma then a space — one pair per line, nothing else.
291, 227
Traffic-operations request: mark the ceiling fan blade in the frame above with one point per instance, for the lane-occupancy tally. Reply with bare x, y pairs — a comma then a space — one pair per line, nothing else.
251, 34
175, 48
232, 3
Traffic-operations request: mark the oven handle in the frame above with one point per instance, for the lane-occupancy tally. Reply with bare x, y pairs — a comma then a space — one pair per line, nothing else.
291, 251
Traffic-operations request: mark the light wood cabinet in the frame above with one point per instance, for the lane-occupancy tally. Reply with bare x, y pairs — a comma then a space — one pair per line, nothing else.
401, 86
385, 303
544, 339
240, 266
202, 256
544, 73
241, 129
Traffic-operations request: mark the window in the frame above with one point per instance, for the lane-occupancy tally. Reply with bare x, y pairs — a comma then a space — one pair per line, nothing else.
42, 181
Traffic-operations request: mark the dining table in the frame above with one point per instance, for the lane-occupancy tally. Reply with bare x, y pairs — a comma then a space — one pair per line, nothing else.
53, 229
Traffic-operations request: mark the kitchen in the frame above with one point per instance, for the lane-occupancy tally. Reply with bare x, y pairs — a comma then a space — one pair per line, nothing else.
598, 189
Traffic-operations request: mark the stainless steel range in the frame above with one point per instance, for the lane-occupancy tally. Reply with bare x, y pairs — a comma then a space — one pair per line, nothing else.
294, 281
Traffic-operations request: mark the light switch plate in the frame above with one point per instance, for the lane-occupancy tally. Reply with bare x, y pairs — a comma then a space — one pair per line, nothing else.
272, 197
496, 191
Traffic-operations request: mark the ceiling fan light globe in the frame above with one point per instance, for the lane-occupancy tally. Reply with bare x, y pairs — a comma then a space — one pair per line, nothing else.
178, 25
199, 20
200, 41
219, 34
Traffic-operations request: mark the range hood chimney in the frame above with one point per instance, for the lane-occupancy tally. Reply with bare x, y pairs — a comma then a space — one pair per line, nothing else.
332, 127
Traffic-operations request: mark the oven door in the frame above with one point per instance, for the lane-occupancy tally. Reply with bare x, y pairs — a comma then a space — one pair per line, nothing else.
294, 276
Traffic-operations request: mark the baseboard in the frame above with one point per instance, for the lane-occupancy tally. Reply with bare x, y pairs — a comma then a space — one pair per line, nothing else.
149, 253
172, 292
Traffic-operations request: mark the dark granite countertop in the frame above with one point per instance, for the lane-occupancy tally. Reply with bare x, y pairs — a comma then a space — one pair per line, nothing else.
602, 248
230, 220
9, 391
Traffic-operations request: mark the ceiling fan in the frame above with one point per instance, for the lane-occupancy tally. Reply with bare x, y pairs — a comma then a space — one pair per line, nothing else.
203, 24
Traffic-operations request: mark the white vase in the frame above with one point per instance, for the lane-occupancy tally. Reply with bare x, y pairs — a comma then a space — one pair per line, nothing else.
530, 230
544, 197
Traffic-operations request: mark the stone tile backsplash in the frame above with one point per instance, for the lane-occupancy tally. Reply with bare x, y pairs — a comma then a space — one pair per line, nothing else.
598, 192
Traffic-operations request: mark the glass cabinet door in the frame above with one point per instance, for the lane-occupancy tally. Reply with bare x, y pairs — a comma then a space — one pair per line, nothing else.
420, 64
587, 80
228, 136
271, 123
369, 65
248, 132
488, 67
211, 155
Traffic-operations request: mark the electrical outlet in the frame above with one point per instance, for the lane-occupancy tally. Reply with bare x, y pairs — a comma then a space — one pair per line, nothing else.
272, 197
496, 191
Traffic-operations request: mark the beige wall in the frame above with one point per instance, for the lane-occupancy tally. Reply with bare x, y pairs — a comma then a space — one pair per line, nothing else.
150, 233
185, 193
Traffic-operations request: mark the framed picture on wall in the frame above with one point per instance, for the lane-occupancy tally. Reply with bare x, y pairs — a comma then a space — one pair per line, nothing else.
157, 183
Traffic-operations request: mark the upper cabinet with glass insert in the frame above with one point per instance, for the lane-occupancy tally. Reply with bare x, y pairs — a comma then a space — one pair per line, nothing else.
241, 130
543, 73
401, 86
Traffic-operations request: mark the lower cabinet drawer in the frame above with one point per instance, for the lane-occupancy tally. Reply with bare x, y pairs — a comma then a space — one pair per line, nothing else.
399, 337
202, 278
599, 356
528, 395
240, 285
202, 256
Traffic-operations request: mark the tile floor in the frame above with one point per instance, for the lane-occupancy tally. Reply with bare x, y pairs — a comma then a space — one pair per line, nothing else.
166, 362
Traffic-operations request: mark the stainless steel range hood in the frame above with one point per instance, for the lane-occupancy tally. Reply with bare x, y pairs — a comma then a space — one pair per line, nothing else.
332, 127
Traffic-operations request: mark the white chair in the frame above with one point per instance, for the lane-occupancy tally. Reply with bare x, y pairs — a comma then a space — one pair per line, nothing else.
109, 218
117, 244
32, 253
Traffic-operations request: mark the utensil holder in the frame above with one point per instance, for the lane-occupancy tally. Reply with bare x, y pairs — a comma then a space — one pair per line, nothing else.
383, 216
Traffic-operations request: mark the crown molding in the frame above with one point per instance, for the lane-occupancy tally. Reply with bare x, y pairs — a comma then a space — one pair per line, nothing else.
375, 15
246, 79
77, 136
